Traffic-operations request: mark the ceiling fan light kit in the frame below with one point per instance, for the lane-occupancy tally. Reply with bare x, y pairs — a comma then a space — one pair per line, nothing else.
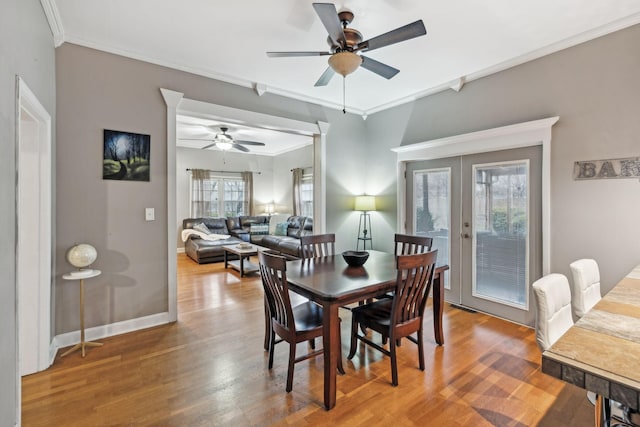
345, 43
345, 62
224, 142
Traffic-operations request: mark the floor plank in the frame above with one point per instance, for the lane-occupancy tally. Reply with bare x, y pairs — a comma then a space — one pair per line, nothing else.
209, 369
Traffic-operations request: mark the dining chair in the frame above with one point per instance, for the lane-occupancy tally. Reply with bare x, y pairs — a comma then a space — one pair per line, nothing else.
292, 324
586, 293
400, 316
407, 244
553, 308
554, 317
586, 286
317, 245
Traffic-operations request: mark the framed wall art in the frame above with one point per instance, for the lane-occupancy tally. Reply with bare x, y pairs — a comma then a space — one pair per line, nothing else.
126, 156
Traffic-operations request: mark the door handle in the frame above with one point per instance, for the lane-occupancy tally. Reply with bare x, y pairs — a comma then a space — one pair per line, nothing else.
465, 235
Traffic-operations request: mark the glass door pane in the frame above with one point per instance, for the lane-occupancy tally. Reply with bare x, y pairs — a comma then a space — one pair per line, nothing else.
432, 210
501, 232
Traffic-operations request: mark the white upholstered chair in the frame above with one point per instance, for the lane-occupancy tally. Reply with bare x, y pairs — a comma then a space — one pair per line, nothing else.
585, 292
586, 286
554, 317
553, 308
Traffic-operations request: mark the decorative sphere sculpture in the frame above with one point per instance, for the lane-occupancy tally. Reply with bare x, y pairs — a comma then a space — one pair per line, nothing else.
82, 255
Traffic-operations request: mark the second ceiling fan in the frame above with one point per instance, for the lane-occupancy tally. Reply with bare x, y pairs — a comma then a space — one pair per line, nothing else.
345, 44
223, 141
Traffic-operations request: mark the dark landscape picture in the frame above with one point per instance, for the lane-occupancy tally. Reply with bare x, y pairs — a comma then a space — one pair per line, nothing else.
126, 156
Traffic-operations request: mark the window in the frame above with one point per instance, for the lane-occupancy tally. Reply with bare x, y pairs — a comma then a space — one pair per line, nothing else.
306, 195
218, 196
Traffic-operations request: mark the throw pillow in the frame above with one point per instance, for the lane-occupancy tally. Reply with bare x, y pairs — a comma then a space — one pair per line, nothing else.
202, 228
257, 229
281, 228
276, 219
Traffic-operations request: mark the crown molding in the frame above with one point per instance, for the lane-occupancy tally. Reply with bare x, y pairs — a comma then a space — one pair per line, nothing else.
501, 138
262, 89
255, 86
55, 23
536, 54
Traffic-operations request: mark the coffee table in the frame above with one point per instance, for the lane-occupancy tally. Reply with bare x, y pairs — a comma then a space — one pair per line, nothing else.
243, 265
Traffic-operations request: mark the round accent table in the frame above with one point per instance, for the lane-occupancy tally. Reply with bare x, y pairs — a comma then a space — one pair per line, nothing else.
81, 275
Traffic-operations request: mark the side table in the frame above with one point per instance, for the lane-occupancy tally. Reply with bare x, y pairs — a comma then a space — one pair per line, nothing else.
78, 276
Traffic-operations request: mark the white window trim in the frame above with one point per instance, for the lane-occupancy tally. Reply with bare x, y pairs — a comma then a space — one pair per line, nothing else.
220, 190
474, 235
527, 134
447, 283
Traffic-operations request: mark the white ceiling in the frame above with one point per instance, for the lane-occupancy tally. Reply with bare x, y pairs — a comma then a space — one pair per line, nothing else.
276, 142
227, 40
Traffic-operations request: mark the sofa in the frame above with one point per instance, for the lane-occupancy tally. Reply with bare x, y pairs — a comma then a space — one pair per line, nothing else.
241, 226
284, 239
204, 251
288, 244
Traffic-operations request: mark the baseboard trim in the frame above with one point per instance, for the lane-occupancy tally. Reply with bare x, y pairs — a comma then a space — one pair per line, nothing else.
104, 331
463, 308
180, 250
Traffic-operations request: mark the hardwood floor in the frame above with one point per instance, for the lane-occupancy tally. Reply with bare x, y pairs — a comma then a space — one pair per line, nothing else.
210, 369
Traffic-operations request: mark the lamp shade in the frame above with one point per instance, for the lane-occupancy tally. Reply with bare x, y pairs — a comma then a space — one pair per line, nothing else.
365, 203
344, 63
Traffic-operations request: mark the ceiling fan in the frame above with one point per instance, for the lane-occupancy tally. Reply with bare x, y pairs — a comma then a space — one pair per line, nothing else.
345, 43
223, 141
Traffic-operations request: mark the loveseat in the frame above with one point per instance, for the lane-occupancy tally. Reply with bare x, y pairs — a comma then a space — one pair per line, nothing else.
283, 238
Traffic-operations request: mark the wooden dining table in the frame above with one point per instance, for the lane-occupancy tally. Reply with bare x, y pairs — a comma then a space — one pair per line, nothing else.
332, 283
601, 352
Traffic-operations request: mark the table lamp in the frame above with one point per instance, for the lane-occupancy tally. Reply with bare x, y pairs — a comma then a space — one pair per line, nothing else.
269, 209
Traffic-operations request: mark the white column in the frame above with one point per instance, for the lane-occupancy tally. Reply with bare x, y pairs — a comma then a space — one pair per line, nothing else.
172, 99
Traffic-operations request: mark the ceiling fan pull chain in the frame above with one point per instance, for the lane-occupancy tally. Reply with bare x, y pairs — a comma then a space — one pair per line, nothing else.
344, 96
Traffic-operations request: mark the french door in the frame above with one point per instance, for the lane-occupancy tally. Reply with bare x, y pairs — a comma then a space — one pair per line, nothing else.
483, 212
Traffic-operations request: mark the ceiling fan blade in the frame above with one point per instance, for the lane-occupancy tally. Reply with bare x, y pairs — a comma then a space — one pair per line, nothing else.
292, 54
409, 31
379, 68
208, 146
195, 139
329, 16
261, 144
240, 147
325, 78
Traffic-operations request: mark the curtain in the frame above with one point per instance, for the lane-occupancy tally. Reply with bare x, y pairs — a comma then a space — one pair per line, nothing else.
200, 203
247, 178
297, 191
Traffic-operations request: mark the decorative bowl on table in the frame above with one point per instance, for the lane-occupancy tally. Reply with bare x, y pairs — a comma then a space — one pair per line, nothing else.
355, 258
244, 246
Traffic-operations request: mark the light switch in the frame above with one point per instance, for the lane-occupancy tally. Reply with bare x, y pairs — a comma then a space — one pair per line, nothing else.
149, 214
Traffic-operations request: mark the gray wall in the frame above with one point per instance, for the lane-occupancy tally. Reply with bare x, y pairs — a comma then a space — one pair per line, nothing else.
97, 90
26, 49
282, 184
594, 89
